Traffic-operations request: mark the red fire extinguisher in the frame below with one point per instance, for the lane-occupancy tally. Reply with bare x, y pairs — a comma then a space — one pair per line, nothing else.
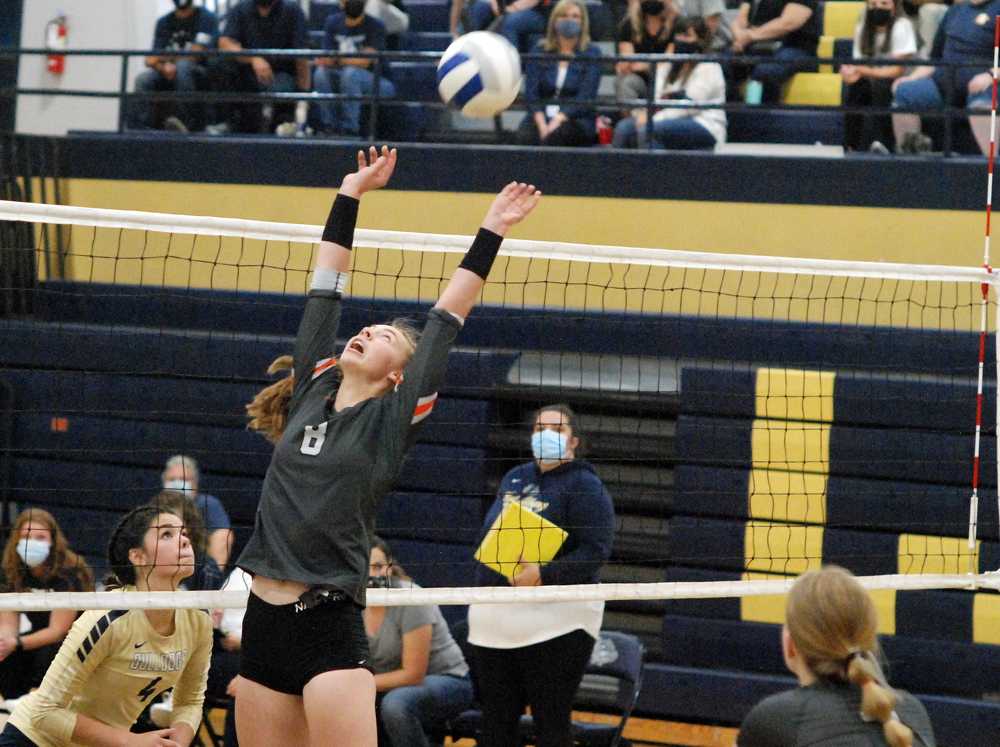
55, 40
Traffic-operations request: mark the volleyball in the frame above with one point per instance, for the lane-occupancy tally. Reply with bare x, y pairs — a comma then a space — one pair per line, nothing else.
480, 74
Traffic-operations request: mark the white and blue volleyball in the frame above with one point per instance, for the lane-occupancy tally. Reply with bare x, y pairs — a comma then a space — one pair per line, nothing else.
480, 74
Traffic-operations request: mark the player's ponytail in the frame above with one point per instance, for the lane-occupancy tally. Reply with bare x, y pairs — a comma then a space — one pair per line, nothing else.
128, 535
878, 700
268, 412
832, 621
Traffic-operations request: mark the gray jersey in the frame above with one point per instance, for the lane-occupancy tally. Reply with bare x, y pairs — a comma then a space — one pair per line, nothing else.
330, 469
827, 715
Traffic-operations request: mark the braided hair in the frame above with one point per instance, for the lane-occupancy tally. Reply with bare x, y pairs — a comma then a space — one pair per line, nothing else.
127, 536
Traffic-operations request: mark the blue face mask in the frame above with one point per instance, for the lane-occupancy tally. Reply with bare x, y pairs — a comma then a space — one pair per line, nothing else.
548, 446
568, 28
33, 551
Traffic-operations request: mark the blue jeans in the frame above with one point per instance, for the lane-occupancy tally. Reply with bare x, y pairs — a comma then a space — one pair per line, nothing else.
405, 713
345, 116
924, 93
786, 62
518, 27
191, 77
668, 134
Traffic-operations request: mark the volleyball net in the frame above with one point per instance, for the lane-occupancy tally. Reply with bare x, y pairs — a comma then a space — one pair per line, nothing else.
752, 417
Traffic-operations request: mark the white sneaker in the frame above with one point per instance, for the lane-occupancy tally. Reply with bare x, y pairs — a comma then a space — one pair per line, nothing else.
174, 124
222, 128
286, 129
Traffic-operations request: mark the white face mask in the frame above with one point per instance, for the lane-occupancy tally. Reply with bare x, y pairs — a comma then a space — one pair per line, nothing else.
33, 552
181, 486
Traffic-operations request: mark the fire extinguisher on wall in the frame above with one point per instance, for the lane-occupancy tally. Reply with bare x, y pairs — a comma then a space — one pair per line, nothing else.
55, 40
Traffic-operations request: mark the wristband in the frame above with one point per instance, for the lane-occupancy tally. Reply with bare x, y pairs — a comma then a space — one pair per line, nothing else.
340, 223
329, 280
479, 258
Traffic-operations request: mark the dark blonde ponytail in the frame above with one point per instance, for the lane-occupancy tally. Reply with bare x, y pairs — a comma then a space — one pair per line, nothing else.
878, 700
268, 412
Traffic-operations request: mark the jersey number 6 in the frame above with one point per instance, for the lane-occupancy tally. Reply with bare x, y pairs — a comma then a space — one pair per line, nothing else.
313, 439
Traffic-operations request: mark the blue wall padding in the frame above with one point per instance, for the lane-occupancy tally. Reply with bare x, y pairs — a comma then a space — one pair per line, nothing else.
920, 508
788, 344
726, 609
146, 351
860, 398
863, 553
719, 697
432, 517
433, 564
914, 663
706, 543
885, 453
937, 615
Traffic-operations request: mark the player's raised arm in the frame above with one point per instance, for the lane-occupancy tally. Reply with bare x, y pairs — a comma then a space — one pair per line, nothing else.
514, 203
374, 171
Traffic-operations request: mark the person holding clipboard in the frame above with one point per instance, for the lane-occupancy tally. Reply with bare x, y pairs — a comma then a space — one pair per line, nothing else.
551, 523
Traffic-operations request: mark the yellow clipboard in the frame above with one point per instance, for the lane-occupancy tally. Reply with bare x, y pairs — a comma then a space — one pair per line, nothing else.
519, 533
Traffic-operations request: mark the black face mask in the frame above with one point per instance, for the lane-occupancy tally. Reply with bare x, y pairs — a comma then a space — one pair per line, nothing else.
879, 16
354, 8
652, 7
379, 582
182, 4
686, 47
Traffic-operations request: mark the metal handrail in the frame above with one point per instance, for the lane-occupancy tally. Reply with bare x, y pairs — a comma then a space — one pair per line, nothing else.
385, 59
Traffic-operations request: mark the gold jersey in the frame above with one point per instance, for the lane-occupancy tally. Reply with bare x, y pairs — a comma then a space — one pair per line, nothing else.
111, 666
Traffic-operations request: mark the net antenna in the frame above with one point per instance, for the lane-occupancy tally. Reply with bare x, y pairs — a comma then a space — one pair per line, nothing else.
985, 290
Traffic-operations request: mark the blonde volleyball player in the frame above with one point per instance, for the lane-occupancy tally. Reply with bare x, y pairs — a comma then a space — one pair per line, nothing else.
114, 663
341, 430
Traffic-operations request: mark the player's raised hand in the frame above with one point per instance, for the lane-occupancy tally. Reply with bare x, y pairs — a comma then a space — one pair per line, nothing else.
374, 171
514, 203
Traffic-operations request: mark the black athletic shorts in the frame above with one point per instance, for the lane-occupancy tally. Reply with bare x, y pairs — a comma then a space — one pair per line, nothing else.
283, 649
14, 737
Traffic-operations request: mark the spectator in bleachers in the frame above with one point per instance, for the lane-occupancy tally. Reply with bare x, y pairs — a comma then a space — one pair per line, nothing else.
964, 36
567, 123
689, 84
519, 20
829, 642
36, 557
186, 28
714, 13
535, 654
882, 32
393, 15
264, 24
348, 31
226, 645
181, 473
644, 30
788, 30
208, 575
421, 677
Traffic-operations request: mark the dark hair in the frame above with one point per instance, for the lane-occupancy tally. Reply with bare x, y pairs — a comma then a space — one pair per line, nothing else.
129, 535
702, 31
395, 569
570, 419
868, 33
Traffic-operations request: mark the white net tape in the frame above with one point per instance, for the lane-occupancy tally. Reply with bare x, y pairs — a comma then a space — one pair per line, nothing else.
102, 600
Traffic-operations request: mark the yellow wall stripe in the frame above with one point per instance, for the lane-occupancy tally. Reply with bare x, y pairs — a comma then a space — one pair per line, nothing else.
791, 394
918, 553
986, 619
790, 445
782, 548
787, 496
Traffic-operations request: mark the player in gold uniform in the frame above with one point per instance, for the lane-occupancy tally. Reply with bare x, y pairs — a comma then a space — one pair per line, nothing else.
114, 663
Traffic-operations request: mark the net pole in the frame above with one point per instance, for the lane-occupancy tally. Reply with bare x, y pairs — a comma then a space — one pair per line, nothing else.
985, 290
